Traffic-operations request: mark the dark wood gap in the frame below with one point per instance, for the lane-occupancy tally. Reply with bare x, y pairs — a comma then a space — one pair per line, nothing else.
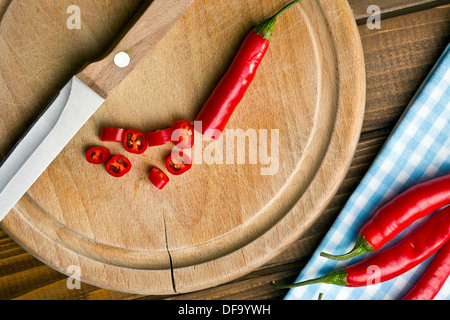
391, 8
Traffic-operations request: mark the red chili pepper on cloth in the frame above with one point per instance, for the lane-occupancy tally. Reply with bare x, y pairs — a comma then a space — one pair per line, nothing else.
398, 214
392, 262
219, 108
434, 277
98, 155
118, 166
135, 141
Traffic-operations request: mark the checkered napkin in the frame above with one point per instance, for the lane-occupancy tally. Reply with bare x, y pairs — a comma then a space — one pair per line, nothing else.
418, 150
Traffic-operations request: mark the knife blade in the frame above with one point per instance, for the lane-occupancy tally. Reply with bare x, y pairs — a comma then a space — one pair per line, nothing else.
80, 98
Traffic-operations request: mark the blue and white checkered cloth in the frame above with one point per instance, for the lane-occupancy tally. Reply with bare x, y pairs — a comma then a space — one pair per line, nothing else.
418, 150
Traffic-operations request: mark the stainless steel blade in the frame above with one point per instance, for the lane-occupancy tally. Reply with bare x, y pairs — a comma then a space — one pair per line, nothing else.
60, 122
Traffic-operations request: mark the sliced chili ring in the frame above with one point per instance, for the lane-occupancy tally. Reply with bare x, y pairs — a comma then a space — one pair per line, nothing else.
178, 163
183, 134
158, 178
118, 166
98, 155
112, 135
159, 138
135, 141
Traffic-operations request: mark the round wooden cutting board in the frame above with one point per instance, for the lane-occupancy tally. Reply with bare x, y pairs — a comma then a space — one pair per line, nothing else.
222, 219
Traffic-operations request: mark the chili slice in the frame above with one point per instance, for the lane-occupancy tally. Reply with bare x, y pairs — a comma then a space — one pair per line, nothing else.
158, 178
98, 155
135, 141
183, 134
159, 138
220, 106
392, 262
112, 135
434, 277
178, 163
398, 214
118, 166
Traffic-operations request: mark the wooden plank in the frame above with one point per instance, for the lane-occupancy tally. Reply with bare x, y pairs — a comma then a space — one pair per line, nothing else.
391, 8
399, 56
16, 284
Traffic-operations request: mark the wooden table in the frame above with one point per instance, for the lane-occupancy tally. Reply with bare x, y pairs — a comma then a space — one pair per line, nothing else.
399, 56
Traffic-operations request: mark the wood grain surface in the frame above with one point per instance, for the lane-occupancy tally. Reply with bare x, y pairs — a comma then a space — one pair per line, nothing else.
403, 51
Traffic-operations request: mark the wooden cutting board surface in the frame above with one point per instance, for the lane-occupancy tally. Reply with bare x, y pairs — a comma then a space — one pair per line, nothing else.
219, 221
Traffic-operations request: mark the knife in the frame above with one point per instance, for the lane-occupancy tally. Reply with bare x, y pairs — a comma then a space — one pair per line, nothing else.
80, 98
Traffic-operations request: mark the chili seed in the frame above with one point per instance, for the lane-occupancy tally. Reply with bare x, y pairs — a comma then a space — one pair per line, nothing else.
114, 169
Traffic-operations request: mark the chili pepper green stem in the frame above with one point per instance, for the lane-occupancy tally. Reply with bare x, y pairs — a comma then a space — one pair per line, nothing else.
338, 278
265, 28
361, 247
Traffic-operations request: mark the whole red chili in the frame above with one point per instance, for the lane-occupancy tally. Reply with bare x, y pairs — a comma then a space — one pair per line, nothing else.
118, 166
160, 137
135, 141
158, 178
219, 108
98, 155
392, 262
398, 214
178, 163
434, 277
183, 134
112, 135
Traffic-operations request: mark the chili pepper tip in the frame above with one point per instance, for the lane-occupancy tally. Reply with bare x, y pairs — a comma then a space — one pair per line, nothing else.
361, 247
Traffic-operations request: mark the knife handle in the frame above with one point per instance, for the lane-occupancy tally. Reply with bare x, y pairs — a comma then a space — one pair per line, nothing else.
104, 75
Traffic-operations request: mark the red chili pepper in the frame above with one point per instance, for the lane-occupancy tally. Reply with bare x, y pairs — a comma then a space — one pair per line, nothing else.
112, 135
98, 155
219, 108
392, 262
434, 277
178, 163
398, 214
159, 138
118, 166
135, 141
158, 178
183, 134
